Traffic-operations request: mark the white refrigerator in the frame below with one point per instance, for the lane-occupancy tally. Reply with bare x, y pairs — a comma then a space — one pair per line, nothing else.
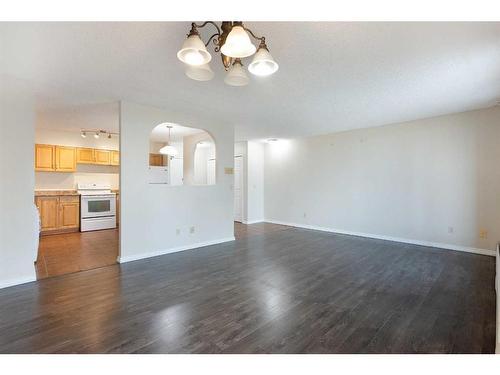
158, 175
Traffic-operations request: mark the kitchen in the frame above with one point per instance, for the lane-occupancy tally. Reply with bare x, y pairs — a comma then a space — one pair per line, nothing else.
76, 164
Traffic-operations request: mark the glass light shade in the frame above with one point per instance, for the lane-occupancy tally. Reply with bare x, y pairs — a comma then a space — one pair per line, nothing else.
236, 76
263, 63
194, 52
238, 44
169, 150
200, 72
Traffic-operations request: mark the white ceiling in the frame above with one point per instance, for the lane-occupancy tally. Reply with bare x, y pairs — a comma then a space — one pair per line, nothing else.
178, 132
103, 116
332, 76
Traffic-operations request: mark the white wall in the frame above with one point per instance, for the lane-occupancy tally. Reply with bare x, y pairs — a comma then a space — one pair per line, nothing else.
199, 177
101, 174
74, 139
201, 157
435, 180
17, 213
151, 214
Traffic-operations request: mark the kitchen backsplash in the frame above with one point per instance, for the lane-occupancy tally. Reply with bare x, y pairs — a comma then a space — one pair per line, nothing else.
60, 180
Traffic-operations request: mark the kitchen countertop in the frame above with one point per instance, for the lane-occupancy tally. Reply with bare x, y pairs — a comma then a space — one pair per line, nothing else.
45, 193
48, 193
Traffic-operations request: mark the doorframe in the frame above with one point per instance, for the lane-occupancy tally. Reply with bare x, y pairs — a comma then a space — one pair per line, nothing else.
242, 190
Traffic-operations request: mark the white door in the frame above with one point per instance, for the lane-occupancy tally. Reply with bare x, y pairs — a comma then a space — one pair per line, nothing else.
238, 188
176, 166
211, 172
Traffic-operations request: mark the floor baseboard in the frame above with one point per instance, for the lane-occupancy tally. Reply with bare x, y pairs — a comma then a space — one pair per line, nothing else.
17, 281
389, 238
253, 221
172, 250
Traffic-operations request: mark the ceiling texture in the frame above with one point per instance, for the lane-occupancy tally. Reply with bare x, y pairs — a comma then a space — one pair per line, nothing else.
178, 132
332, 76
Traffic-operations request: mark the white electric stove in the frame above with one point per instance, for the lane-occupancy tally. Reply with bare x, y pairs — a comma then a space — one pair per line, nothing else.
97, 207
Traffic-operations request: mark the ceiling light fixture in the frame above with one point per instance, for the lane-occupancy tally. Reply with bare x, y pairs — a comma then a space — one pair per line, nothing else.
263, 63
232, 40
168, 149
200, 72
236, 76
97, 133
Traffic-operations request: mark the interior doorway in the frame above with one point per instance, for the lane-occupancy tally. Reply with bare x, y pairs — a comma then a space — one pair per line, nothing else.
238, 188
77, 192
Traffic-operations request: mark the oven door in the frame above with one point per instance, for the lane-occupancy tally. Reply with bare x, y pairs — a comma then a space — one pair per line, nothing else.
98, 206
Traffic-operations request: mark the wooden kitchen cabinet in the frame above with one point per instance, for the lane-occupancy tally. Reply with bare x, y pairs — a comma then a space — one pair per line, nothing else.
48, 208
44, 158
49, 158
156, 160
115, 157
85, 155
65, 159
102, 157
59, 213
69, 212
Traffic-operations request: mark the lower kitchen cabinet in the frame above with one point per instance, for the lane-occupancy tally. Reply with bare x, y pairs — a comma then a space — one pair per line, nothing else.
48, 208
59, 213
69, 212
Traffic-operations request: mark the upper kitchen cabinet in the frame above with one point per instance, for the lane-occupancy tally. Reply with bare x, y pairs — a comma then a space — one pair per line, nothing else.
50, 158
65, 159
102, 157
44, 158
96, 156
157, 160
85, 155
115, 157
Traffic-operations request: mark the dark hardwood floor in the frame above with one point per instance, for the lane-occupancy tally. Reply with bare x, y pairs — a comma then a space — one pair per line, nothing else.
282, 291
60, 254
244, 231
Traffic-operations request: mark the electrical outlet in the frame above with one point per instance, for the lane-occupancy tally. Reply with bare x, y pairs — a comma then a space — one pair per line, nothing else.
483, 234
450, 230
177, 231
191, 230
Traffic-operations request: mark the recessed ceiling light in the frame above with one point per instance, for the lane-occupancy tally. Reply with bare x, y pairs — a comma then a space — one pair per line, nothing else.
84, 135
96, 135
272, 140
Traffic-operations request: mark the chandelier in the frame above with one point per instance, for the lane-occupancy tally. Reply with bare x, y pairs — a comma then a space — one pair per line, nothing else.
232, 40
168, 149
